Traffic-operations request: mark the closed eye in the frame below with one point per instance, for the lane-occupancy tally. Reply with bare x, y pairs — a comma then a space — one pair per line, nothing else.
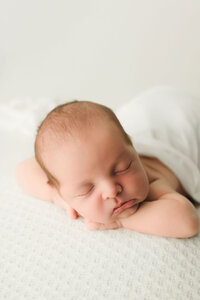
85, 194
124, 170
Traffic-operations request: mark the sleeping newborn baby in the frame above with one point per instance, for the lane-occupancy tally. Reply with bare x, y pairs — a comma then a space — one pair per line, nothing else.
86, 163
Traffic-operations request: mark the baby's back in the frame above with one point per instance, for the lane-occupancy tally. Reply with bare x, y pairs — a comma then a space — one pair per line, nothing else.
156, 170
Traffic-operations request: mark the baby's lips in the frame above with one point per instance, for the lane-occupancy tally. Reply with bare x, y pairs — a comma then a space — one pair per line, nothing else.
124, 205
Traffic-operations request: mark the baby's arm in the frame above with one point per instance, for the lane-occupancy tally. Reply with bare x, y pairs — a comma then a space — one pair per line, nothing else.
33, 181
171, 215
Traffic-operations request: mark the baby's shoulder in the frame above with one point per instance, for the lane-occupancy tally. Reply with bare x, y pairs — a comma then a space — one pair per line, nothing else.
161, 177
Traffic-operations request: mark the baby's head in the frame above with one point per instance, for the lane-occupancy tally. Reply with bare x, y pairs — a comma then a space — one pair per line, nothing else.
89, 158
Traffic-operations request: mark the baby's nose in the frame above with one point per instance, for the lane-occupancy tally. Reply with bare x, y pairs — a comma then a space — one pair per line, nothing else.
111, 190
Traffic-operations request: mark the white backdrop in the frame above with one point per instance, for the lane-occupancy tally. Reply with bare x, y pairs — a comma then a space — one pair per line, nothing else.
106, 51
101, 50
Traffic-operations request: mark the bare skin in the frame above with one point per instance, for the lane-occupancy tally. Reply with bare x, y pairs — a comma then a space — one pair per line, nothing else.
153, 198
156, 172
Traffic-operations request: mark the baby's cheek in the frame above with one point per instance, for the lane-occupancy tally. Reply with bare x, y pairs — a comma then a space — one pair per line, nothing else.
89, 209
100, 211
136, 185
143, 186
130, 184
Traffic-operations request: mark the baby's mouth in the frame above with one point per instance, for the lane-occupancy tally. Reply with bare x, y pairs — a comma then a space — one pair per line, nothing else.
123, 206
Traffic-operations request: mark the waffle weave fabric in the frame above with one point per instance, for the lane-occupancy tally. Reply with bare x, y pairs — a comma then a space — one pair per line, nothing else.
46, 256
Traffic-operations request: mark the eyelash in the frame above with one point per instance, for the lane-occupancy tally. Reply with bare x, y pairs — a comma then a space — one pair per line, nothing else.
118, 172
82, 195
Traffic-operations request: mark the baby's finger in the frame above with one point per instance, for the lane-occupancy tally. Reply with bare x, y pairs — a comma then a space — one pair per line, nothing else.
72, 213
91, 225
94, 225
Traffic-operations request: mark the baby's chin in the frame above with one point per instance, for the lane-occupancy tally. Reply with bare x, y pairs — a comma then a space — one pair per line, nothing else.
124, 214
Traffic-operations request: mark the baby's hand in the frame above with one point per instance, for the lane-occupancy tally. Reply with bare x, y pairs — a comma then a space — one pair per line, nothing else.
72, 213
95, 225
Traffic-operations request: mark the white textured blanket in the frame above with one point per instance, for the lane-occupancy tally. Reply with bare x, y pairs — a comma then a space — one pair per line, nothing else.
46, 256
